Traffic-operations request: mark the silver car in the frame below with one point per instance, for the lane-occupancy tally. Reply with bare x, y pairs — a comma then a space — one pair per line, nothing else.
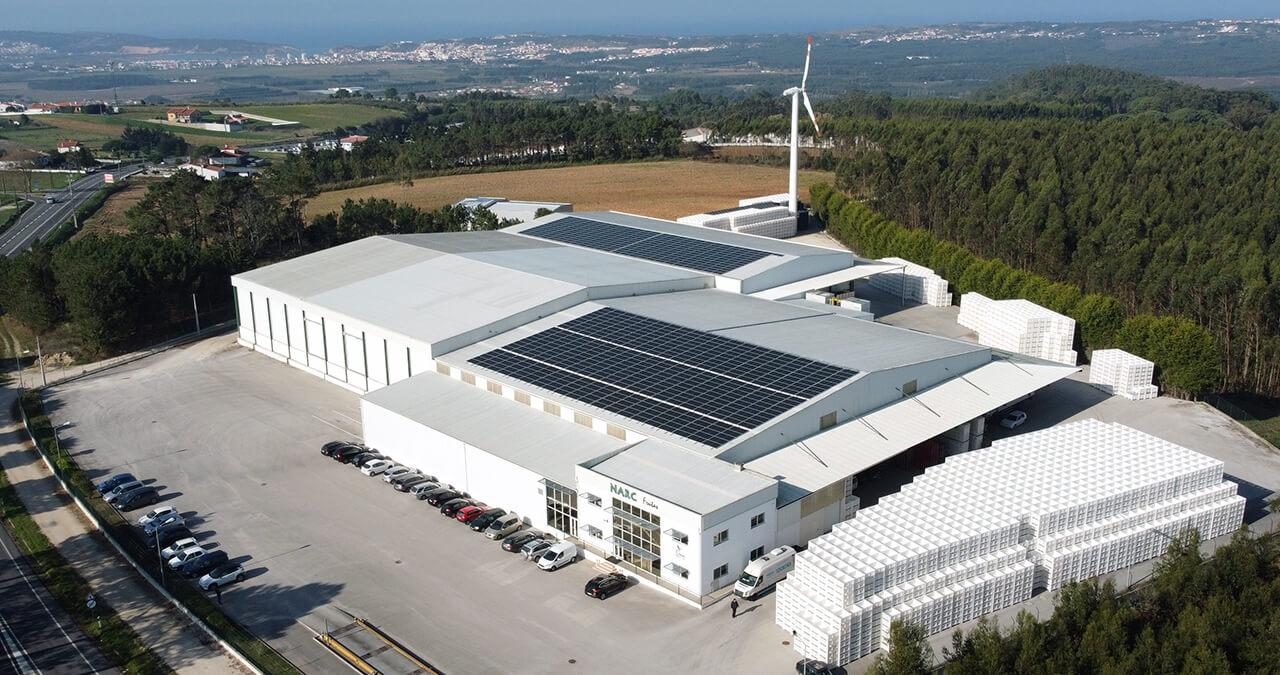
222, 575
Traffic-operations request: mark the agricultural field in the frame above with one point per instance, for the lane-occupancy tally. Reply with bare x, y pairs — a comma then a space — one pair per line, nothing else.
110, 218
16, 181
657, 189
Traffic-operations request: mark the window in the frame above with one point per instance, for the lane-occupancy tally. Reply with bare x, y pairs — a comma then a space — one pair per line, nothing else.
827, 421
549, 407
469, 378
522, 397
494, 387
639, 545
443, 369
562, 508
756, 553
583, 419
757, 520
720, 571
616, 431
908, 387
721, 537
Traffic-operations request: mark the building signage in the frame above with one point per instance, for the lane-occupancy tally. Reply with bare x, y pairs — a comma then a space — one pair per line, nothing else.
632, 495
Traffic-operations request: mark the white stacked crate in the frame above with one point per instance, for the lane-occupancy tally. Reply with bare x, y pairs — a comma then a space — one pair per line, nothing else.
784, 198
1118, 372
980, 531
914, 282
779, 228
717, 221
766, 221
1019, 326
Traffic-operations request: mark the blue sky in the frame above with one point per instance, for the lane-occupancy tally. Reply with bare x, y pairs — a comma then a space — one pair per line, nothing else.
317, 23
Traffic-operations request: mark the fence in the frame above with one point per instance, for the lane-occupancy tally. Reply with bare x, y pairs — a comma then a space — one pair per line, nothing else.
1268, 429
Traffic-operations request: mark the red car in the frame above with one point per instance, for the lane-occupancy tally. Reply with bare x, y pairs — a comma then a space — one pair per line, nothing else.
470, 513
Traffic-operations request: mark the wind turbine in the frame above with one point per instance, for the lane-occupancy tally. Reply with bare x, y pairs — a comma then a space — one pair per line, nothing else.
796, 93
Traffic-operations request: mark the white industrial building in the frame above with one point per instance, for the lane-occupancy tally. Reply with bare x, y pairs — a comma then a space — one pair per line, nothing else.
520, 211
982, 531
663, 395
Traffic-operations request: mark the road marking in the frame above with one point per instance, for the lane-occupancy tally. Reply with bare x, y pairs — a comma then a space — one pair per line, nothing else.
324, 421
346, 417
46, 607
17, 653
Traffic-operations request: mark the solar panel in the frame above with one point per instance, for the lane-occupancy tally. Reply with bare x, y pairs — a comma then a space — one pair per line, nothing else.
687, 252
708, 388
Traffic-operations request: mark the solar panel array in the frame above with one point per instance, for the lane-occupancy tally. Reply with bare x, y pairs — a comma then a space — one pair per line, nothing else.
687, 252
704, 387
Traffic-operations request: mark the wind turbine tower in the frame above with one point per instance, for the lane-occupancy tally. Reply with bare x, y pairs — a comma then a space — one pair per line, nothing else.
797, 93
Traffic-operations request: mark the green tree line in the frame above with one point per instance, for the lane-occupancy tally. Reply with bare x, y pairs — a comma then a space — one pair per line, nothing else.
1218, 615
1186, 354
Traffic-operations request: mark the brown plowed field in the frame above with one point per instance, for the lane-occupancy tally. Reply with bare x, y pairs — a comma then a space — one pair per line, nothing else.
658, 189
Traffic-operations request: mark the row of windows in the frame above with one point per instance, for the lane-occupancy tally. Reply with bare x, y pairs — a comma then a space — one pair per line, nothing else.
723, 535
547, 406
633, 536
562, 509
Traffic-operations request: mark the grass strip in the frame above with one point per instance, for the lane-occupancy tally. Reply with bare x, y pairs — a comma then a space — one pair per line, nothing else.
247, 644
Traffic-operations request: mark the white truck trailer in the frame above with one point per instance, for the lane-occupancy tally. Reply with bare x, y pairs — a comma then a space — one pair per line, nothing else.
765, 571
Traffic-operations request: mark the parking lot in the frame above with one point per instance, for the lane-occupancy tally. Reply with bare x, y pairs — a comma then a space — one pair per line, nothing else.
232, 438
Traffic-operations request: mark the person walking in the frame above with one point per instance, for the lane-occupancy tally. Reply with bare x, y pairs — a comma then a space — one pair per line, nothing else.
734, 607
218, 590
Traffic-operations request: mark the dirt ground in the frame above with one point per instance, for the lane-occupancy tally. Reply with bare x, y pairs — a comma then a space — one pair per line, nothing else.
111, 218
657, 189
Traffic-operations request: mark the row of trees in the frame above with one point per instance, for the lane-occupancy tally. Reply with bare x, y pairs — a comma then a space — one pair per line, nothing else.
1186, 354
148, 142
1195, 615
486, 130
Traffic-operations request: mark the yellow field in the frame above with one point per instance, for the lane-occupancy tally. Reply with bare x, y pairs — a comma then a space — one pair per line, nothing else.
657, 189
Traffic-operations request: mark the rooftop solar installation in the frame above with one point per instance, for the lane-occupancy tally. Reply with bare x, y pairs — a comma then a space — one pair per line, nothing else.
707, 388
687, 252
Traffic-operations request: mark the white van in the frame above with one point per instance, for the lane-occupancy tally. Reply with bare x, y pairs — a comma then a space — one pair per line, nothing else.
765, 571
503, 526
558, 556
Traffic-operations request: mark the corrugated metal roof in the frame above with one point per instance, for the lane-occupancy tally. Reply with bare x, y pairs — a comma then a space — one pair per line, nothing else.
862, 270
307, 275
546, 445
693, 481
857, 445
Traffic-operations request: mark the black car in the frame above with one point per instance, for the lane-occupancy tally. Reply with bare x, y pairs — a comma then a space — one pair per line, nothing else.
345, 454
364, 458
332, 446
143, 496
482, 521
439, 496
516, 541
450, 508
202, 564
413, 475
811, 667
404, 485
358, 457
604, 585
167, 535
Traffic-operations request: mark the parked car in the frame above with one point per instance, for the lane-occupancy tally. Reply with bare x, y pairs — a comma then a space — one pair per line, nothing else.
482, 521
376, 467
332, 446
222, 575
603, 585
515, 542
186, 555
439, 496
344, 455
558, 555
811, 667
111, 483
400, 470
143, 496
1013, 420
202, 564
419, 490
534, 548
503, 526
120, 489
168, 519
451, 508
156, 514
363, 460
168, 534
177, 545
403, 482
467, 514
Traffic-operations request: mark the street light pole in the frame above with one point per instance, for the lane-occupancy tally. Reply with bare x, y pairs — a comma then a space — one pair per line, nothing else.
40, 359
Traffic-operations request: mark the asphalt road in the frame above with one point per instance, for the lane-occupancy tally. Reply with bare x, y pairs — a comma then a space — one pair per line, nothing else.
42, 219
36, 634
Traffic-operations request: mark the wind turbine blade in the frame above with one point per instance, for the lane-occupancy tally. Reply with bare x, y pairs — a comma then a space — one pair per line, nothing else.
806, 65
808, 107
